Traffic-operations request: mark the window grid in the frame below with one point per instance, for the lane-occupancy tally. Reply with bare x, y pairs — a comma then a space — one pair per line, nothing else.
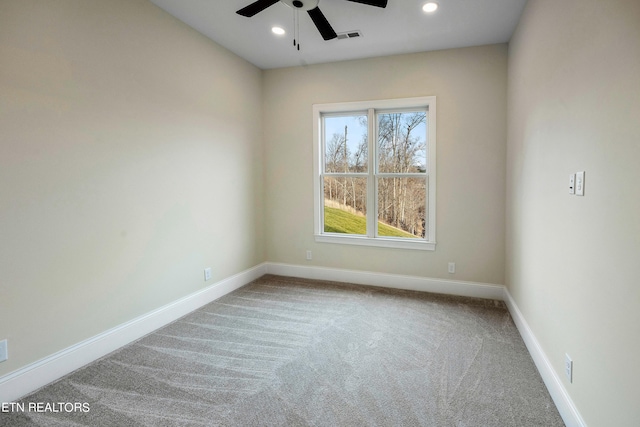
373, 176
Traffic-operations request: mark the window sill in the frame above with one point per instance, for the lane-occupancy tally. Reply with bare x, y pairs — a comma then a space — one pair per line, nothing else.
379, 242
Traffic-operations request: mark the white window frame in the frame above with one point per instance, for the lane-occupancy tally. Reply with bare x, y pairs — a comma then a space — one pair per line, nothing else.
427, 103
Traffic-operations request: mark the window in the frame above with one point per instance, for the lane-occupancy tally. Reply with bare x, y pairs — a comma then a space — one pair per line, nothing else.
374, 173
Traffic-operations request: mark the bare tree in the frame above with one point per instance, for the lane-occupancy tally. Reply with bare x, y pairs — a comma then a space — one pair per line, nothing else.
400, 150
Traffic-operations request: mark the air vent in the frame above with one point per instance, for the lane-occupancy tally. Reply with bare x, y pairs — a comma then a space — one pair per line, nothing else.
350, 34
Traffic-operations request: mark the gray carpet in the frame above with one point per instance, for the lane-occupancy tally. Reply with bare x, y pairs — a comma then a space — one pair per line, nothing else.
284, 351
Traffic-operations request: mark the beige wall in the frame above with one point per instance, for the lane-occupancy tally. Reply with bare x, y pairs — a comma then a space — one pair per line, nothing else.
117, 124
470, 86
573, 262
130, 159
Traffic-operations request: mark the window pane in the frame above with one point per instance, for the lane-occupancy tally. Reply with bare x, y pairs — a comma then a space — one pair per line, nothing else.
402, 142
345, 202
402, 207
345, 144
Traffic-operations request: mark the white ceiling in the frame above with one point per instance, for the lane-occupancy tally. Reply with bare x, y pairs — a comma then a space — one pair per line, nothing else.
402, 27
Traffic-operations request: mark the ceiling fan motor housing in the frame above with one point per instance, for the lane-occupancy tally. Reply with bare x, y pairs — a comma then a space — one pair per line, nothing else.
305, 5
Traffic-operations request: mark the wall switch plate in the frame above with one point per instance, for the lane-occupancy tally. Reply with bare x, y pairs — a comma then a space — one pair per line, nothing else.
580, 183
207, 274
572, 183
309, 256
4, 352
568, 367
452, 267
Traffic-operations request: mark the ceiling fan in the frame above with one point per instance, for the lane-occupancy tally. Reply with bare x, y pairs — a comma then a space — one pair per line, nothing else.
310, 6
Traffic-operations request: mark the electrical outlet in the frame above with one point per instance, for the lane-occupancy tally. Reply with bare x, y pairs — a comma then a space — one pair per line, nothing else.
568, 367
207, 274
309, 256
452, 267
4, 352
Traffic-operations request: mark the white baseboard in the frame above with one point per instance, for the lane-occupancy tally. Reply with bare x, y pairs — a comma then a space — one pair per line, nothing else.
558, 392
563, 402
30, 378
414, 283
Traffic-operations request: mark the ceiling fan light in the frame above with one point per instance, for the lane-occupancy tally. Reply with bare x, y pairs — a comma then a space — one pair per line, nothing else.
278, 31
430, 7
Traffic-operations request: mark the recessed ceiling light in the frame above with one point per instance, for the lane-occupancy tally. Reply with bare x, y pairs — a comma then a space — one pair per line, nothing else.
278, 30
430, 7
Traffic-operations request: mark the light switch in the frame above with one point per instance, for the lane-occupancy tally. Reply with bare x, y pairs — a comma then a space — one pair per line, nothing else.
580, 183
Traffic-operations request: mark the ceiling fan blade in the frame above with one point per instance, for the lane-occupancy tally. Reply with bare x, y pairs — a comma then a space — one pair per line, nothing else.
322, 24
256, 7
378, 3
